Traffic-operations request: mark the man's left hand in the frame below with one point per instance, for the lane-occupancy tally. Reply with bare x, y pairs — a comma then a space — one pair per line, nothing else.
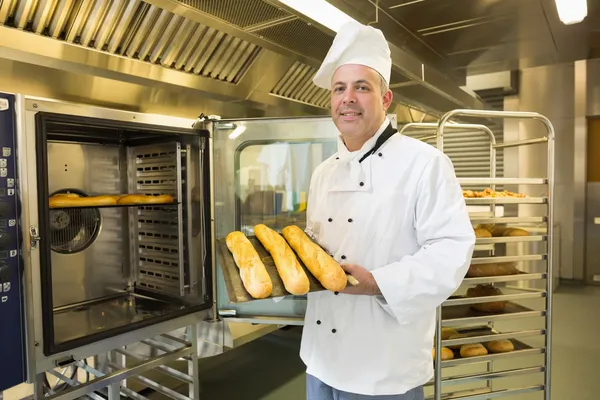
366, 283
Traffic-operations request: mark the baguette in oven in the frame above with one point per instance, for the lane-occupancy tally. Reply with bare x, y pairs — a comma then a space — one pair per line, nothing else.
319, 263
253, 273
291, 272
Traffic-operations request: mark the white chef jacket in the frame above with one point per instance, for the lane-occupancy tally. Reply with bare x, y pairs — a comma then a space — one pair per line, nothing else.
401, 215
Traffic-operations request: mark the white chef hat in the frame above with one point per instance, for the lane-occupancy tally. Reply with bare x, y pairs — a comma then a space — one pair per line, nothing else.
355, 43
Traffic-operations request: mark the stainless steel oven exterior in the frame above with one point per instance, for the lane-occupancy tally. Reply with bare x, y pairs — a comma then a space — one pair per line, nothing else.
27, 108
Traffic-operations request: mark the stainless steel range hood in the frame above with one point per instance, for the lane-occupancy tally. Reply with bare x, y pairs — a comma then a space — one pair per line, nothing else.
251, 52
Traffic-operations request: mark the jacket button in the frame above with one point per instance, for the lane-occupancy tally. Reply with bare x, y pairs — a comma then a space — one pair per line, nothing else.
350, 220
362, 184
380, 155
333, 330
330, 219
336, 293
319, 322
343, 257
337, 158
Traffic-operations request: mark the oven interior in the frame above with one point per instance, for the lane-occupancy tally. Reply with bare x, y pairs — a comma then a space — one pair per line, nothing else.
109, 270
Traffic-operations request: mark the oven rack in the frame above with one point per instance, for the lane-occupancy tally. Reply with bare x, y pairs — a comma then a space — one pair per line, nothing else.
145, 206
533, 257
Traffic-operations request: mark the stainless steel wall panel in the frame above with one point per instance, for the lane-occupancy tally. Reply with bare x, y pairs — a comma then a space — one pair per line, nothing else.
101, 269
592, 250
580, 169
539, 90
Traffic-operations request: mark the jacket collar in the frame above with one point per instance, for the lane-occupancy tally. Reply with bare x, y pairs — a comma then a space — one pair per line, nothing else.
346, 156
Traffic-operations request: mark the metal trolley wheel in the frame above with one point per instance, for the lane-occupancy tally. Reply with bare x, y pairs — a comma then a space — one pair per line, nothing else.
73, 230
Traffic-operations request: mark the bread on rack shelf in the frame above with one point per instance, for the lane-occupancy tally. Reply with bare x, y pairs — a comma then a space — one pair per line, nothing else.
446, 353
254, 275
482, 233
447, 333
291, 272
489, 193
133, 199
473, 350
500, 346
483, 291
495, 269
72, 200
327, 271
500, 231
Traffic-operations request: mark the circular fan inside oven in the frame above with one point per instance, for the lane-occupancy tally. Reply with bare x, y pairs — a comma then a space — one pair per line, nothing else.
73, 229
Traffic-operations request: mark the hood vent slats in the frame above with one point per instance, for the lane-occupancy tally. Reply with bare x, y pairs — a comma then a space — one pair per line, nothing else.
137, 30
296, 84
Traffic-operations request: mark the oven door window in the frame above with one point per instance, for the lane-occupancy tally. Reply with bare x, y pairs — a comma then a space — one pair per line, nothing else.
273, 180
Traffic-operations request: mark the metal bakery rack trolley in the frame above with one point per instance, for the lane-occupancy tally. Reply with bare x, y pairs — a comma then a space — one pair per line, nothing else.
525, 296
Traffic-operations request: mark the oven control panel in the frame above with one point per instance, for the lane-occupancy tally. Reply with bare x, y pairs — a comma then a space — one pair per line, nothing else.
12, 324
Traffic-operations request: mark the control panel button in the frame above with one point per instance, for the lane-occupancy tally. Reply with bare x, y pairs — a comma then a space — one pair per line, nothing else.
5, 272
4, 209
5, 240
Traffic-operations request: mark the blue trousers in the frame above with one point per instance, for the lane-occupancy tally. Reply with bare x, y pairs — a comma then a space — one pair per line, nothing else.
317, 390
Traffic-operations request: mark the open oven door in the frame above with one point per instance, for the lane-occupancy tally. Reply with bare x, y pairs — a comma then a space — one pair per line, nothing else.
262, 172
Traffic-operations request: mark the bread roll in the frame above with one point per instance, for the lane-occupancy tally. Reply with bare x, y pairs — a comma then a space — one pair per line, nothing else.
482, 233
132, 199
500, 346
515, 232
71, 201
473, 350
253, 273
447, 333
500, 269
486, 290
319, 263
447, 354
293, 276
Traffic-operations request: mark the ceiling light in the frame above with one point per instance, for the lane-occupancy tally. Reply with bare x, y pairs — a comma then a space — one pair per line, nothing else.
571, 11
320, 11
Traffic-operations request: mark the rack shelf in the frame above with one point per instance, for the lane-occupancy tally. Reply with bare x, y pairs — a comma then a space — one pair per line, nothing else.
504, 278
484, 201
163, 205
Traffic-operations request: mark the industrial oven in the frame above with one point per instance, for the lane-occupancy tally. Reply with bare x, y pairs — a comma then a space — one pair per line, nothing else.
87, 279
76, 278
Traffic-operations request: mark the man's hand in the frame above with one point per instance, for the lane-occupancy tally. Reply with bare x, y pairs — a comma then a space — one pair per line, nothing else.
366, 283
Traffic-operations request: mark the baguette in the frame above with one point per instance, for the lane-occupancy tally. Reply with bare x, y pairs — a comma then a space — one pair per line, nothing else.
131, 199
293, 276
73, 201
327, 271
253, 273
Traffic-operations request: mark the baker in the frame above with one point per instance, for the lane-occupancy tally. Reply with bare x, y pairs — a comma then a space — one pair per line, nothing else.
391, 211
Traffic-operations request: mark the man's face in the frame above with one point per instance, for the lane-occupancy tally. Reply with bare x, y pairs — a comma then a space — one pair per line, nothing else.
357, 104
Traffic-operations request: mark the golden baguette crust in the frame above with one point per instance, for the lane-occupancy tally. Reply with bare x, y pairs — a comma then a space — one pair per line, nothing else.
327, 271
254, 275
70, 201
143, 199
293, 276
